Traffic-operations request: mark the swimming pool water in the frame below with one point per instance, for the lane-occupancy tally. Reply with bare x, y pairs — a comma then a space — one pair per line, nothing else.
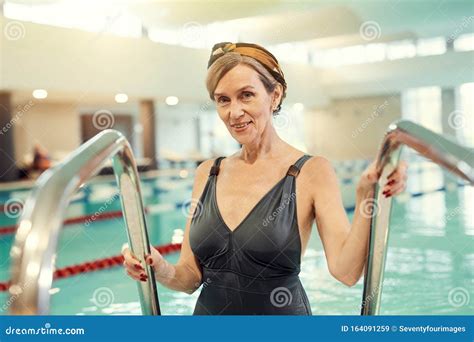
429, 267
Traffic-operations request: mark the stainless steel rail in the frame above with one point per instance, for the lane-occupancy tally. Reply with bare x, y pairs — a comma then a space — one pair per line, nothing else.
454, 157
34, 250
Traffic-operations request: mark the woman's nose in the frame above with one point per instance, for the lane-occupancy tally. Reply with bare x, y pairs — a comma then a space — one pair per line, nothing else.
236, 110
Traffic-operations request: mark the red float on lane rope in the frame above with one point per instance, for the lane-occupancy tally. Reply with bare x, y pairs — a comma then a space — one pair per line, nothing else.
98, 264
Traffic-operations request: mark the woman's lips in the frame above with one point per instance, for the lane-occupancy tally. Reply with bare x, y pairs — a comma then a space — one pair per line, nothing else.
240, 127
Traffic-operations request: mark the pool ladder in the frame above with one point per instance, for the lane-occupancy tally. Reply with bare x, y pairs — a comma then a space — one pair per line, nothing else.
455, 158
34, 249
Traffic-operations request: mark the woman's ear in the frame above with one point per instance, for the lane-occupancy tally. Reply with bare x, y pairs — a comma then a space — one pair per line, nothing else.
277, 94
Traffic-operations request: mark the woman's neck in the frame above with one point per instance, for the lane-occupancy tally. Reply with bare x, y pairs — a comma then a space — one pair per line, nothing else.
269, 146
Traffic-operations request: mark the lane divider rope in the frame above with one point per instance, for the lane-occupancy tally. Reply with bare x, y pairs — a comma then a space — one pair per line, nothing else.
97, 265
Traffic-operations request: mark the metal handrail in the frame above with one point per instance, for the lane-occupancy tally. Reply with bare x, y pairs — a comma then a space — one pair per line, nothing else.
34, 249
455, 158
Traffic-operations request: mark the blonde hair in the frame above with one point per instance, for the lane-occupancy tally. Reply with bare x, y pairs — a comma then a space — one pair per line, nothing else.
229, 61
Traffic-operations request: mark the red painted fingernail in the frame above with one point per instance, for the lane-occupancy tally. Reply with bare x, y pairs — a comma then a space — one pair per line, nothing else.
138, 267
391, 182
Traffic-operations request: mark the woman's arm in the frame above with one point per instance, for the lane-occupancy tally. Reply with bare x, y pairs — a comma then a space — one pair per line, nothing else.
346, 245
185, 275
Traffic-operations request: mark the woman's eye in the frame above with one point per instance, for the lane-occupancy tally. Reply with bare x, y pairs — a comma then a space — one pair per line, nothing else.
247, 95
221, 100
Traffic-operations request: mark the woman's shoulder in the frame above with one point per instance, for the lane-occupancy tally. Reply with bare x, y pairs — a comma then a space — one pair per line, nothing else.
205, 166
318, 167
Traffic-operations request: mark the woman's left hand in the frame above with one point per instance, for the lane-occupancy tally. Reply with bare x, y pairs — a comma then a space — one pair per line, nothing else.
395, 183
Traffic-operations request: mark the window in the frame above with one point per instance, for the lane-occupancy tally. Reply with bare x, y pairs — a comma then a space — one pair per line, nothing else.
375, 52
423, 106
291, 53
87, 15
466, 114
401, 49
215, 139
464, 42
431, 46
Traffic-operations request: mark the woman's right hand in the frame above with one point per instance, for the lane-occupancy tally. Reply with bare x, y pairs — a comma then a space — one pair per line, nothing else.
162, 269
132, 265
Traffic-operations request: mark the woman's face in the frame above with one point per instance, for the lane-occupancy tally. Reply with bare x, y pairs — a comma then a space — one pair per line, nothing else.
243, 103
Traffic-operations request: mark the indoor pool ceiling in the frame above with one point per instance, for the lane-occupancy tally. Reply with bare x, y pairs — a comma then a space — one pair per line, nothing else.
290, 21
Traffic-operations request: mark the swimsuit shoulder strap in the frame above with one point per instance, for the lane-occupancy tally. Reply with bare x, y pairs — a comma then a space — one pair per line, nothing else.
294, 169
215, 168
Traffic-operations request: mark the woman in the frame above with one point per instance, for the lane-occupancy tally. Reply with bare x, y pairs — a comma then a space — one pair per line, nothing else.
256, 207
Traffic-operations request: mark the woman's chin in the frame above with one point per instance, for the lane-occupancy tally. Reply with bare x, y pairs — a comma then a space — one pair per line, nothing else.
242, 140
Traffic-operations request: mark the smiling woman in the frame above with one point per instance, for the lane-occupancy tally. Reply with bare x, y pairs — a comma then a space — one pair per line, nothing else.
256, 58
253, 210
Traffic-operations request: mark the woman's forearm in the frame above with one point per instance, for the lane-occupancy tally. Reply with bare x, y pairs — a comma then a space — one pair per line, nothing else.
177, 277
353, 255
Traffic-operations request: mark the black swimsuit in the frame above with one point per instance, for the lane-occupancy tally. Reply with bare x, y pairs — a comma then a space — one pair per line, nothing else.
254, 269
